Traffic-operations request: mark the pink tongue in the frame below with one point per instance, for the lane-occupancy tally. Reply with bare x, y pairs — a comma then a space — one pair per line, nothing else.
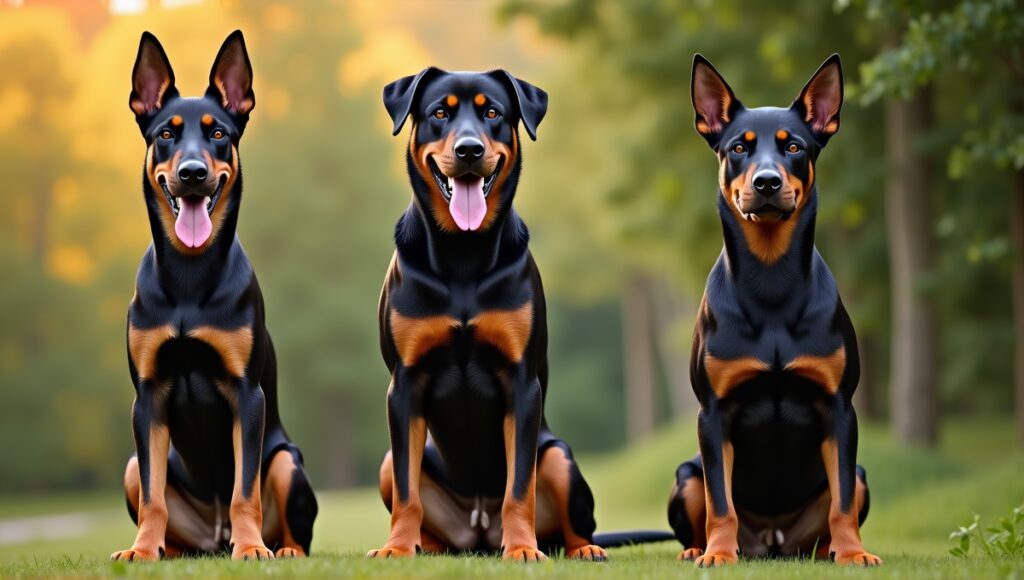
468, 205
193, 226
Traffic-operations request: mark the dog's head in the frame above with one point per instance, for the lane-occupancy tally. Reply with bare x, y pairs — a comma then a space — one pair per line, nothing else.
464, 150
192, 161
767, 154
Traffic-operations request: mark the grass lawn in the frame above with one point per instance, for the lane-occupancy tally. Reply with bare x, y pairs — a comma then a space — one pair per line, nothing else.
917, 498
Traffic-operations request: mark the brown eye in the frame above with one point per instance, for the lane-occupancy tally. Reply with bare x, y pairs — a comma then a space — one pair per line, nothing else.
440, 114
491, 114
166, 134
793, 148
739, 148
218, 134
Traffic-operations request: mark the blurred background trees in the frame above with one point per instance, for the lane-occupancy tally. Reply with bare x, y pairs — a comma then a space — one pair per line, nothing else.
921, 215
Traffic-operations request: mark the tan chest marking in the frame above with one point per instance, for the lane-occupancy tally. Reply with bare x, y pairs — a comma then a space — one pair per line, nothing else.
727, 374
415, 337
233, 346
826, 370
508, 330
143, 346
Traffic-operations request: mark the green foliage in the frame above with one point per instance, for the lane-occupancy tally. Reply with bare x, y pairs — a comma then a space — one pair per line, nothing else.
1005, 539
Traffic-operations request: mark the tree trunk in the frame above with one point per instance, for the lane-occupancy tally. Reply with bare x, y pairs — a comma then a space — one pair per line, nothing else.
670, 310
912, 389
639, 359
1017, 237
340, 458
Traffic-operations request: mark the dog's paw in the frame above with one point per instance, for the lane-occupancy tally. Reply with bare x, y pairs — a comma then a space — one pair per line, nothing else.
712, 559
857, 559
690, 554
590, 553
290, 552
136, 555
524, 555
391, 552
252, 553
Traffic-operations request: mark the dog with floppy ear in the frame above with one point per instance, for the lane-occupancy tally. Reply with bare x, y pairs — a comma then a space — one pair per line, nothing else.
473, 465
775, 361
214, 468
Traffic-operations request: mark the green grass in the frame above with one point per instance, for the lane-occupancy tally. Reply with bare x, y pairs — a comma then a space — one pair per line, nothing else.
918, 497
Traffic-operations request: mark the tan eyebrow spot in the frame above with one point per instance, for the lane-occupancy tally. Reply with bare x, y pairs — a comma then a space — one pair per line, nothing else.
177, 120
750, 136
451, 101
479, 100
782, 135
207, 119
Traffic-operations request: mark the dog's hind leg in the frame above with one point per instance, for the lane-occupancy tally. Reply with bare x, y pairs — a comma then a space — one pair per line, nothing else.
291, 498
687, 509
565, 504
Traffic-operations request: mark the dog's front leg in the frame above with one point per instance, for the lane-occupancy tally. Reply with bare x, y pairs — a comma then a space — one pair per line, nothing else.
839, 453
152, 442
519, 508
717, 455
246, 512
408, 430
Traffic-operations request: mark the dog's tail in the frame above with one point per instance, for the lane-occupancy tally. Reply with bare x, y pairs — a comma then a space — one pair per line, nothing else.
628, 538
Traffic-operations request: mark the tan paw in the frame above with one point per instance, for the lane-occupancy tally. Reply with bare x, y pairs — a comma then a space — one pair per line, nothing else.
690, 554
386, 552
524, 555
710, 560
590, 553
136, 555
290, 552
857, 559
252, 553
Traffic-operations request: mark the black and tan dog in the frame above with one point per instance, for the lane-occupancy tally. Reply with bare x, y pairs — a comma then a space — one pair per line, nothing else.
213, 467
463, 331
774, 360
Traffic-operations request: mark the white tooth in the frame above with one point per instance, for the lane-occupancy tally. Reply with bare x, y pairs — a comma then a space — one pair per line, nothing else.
209, 202
451, 184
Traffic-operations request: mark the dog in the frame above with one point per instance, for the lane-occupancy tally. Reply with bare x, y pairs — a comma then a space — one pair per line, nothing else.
212, 458
774, 362
463, 333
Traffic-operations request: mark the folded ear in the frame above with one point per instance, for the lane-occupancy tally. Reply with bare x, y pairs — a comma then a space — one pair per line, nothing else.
531, 101
714, 103
821, 99
152, 77
399, 96
231, 76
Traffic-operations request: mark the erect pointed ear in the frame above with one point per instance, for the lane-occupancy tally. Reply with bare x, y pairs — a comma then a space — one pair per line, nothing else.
821, 99
531, 101
231, 76
152, 77
714, 103
399, 95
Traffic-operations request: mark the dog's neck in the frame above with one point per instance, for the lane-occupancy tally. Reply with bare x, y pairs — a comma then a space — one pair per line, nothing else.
461, 256
772, 280
194, 274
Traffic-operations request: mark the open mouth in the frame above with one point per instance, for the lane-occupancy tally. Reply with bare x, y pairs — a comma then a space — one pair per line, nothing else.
192, 213
466, 194
768, 212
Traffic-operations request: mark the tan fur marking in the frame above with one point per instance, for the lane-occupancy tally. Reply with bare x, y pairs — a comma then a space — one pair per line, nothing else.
749, 136
143, 346
727, 374
151, 537
782, 134
279, 479
843, 526
508, 330
441, 152
479, 100
553, 473
415, 337
451, 100
826, 370
207, 119
722, 531
233, 346
518, 516
177, 121
246, 512
406, 516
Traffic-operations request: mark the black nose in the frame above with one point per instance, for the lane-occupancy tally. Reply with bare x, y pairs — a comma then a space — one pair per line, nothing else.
767, 181
469, 149
192, 172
